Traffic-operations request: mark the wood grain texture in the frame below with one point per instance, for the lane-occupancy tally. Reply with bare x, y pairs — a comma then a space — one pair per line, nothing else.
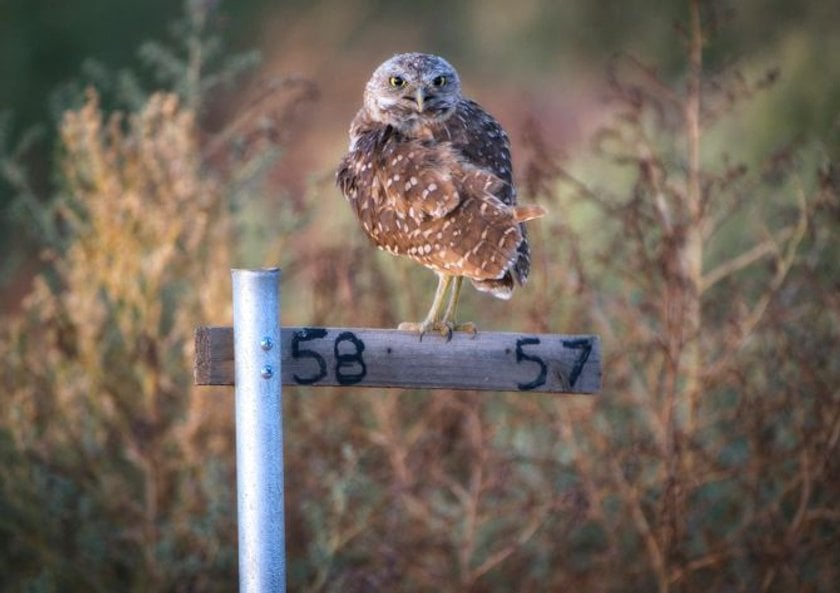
497, 361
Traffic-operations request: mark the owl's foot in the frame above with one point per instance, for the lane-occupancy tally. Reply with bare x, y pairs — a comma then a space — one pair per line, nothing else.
465, 326
444, 328
447, 328
423, 327
434, 321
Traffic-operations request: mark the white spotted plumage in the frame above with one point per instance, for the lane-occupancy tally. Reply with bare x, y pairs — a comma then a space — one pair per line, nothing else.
425, 162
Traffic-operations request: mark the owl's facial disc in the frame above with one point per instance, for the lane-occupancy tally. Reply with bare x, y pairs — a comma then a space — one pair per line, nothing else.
411, 88
418, 99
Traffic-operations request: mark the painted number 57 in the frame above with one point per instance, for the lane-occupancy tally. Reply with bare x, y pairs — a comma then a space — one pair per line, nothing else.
582, 345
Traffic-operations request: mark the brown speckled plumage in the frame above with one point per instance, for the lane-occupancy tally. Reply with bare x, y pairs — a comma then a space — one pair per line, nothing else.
429, 176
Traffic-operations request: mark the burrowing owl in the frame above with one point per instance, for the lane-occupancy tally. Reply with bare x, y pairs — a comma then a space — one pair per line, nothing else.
428, 174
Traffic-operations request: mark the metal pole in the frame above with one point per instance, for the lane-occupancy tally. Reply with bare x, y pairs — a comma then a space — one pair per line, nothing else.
259, 431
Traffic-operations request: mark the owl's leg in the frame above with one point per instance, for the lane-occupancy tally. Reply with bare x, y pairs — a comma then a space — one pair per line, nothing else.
449, 316
432, 320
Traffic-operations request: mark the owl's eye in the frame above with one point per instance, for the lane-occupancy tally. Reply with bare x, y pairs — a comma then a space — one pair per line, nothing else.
439, 81
397, 82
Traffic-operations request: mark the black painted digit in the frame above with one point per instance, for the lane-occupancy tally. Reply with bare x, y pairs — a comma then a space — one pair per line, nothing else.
521, 355
351, 360
585, 347
305, 335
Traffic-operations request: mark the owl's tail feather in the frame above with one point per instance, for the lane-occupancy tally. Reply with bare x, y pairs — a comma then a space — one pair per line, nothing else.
501, 288
517, 273
526, 213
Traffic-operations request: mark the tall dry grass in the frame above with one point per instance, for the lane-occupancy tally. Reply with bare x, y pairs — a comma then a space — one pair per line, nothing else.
115, 474
106, 469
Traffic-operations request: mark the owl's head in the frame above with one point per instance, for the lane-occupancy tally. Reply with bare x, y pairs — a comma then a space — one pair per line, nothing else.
412, 89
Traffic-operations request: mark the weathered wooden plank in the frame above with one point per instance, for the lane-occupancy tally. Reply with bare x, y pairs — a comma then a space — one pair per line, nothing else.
499, 361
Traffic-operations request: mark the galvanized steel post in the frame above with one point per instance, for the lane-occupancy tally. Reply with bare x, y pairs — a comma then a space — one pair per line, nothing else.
259, 431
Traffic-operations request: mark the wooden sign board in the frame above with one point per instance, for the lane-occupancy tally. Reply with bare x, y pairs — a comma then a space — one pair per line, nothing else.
498, 361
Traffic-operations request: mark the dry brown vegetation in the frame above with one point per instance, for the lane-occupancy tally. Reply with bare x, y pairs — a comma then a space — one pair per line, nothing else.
708, 463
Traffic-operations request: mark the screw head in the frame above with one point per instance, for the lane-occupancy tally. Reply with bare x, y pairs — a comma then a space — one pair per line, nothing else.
267, 372
266, 343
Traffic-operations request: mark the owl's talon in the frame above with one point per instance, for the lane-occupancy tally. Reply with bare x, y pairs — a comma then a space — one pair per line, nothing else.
444, 328
468, 327
416, 327
450, 327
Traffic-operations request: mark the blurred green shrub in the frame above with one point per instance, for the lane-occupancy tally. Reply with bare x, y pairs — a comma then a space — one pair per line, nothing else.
107, 484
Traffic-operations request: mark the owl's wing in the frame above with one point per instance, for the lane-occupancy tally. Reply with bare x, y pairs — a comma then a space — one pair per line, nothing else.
479, 140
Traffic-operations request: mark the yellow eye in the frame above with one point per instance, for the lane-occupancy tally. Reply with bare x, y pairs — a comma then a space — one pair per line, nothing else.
397, 82
439, 81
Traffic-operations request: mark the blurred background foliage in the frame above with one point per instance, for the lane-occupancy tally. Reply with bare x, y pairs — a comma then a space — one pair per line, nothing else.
693, 223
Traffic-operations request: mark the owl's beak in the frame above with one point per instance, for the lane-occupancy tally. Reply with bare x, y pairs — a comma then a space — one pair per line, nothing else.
418, 96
